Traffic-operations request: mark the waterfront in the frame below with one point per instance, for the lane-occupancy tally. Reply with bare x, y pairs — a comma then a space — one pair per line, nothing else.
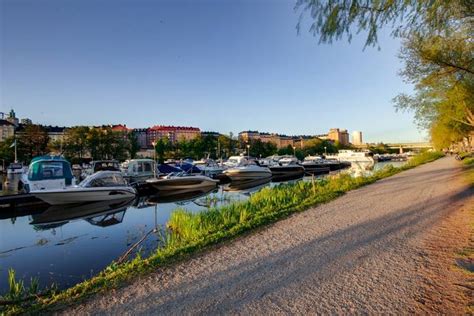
70, 245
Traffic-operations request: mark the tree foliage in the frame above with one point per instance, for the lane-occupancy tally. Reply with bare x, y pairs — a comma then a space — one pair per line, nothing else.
334, 19
437, 51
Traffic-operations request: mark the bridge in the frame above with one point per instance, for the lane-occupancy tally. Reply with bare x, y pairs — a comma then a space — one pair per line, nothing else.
402, 146
421, 145
410, 146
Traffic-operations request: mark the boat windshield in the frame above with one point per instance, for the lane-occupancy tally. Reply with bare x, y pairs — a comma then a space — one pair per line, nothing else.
106, 179
106, 165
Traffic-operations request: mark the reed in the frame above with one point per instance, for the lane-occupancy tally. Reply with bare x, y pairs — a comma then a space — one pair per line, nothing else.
190, 232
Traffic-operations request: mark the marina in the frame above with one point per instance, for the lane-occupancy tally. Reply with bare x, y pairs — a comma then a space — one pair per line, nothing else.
70, 243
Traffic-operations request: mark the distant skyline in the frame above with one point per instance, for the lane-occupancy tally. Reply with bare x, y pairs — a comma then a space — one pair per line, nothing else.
218, 65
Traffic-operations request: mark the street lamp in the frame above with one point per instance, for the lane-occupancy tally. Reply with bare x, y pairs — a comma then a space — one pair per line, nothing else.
248, 151
154, 158
294, 151
325, 152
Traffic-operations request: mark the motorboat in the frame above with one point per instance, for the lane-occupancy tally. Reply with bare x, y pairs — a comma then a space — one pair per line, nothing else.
181, 196
182, 181
15, 168
287, 168
315, 165
101, 186
101, 165
364, 159
138, 170
248, 172
47, 173
209, 167
235, 161
269, 161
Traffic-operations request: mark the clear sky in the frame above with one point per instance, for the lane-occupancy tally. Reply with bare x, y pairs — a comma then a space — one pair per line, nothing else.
218, 65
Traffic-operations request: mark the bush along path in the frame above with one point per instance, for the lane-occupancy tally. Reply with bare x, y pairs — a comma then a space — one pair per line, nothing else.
189, 233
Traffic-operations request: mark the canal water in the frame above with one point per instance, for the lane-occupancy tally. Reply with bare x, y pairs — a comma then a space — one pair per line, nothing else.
65, 245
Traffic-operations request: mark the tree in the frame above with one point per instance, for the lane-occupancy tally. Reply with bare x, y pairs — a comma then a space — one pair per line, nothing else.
437, 51
7, 153
75, 141
134, 146
33, 142
334, 19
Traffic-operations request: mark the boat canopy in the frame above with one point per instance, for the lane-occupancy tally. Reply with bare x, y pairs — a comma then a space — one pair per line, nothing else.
49, 168
165, 168
188, 167
104, 179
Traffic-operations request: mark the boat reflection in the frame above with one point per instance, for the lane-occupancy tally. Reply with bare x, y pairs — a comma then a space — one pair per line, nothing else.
104, 213
287, 178
177, 196
247, 186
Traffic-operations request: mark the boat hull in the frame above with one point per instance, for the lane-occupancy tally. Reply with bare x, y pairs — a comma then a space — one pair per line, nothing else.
84, 195
191, 183
240, 175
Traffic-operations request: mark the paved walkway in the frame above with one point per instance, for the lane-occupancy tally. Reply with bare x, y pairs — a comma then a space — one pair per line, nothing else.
359, 253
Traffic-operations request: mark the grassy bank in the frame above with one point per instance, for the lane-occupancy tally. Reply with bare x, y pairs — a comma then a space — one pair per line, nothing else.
190, 232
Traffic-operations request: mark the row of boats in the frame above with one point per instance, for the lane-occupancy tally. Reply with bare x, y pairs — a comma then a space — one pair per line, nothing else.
53, 180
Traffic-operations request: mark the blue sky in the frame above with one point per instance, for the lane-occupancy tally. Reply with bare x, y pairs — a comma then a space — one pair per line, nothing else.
218, 65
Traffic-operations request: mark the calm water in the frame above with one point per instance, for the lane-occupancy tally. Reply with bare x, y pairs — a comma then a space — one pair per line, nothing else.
66, 245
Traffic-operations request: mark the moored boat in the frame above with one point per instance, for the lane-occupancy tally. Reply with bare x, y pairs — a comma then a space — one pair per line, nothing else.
101, 186
287, 168
138, 170
182, 181
248, 172
47, 173
15, 168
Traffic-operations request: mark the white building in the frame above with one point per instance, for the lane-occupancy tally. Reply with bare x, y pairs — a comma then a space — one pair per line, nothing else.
357, 138
7, 129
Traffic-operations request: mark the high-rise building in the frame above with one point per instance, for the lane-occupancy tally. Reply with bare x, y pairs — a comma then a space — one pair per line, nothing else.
357, 138
339, 135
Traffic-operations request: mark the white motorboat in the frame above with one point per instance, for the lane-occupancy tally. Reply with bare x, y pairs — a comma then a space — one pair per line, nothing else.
235, 161
363, 159
209, 167
15, 168
137, 170
248, 172
182, 181
47, 173
101, 186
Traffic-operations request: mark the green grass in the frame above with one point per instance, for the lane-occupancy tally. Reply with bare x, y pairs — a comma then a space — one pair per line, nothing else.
191, 232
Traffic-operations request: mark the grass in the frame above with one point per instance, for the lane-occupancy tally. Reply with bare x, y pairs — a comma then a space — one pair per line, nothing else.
189, 233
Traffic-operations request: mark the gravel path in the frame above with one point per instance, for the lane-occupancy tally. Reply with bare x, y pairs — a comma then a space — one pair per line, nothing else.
359, 253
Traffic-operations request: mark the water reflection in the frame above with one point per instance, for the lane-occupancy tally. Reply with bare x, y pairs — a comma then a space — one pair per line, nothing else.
177, 196
96, 213
247, 186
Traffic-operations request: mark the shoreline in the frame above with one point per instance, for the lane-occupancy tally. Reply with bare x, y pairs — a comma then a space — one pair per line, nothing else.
116, 276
